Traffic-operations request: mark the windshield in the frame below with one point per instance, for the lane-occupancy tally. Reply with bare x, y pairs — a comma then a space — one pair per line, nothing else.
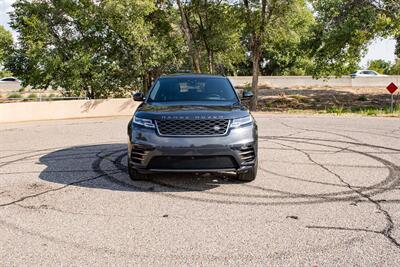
192, 89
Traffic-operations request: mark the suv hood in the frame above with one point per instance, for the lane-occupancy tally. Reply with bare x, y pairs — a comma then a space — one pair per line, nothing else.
191, 111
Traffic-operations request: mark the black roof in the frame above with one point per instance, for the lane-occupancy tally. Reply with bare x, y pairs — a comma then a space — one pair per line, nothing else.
191, 75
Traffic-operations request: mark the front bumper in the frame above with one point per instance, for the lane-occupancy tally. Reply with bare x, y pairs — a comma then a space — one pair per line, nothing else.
239, 144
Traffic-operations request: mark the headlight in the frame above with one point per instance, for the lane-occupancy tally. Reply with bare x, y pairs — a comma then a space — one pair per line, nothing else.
241, 122
143, 122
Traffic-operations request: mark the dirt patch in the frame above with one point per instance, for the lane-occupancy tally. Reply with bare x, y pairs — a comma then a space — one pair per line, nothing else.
306, 98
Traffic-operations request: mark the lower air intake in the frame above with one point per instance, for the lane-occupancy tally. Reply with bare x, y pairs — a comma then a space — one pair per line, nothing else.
192, 163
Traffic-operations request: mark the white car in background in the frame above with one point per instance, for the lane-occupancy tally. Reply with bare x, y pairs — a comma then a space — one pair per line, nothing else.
9, 79
366, 73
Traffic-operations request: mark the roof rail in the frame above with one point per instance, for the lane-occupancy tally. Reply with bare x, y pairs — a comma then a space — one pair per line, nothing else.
184, 71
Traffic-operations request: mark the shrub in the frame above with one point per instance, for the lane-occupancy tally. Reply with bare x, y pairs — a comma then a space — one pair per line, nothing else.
362, 98
15, 95
34, 96
50, 97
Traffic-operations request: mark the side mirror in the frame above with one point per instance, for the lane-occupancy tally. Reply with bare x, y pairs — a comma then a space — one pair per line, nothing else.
247, 94
138, 96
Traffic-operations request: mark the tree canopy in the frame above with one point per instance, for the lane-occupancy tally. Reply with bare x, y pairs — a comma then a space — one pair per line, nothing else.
344, 28
107, 47
380, 66
6, 42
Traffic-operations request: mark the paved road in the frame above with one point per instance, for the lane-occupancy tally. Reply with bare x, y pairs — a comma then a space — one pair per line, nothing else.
328, 193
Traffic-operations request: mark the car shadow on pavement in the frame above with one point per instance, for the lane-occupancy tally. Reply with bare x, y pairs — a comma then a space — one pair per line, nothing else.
104, 167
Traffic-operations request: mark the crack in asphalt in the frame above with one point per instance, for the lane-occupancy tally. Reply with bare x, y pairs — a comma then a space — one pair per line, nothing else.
56, 171
272, 137
322, 183
263, 138
331, 165
384, 134
318, 131
52, 190
387, 231
343, 228
46, 207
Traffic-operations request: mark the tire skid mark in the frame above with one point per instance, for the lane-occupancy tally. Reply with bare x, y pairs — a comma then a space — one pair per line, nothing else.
78, 245
178, 189
56, 171
116, 159
387, 231
284, 194
26, 152
273, 137
389, 183
323, 197
323, 183
375, 134
319, 131
50, 190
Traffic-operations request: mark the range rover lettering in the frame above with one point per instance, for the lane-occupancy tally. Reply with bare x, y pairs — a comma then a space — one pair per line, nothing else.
192, 123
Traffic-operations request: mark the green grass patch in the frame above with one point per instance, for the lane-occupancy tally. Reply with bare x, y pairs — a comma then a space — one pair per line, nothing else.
366, 111
336, 110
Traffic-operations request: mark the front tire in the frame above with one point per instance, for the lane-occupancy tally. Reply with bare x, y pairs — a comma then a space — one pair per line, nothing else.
134, 174
248, 176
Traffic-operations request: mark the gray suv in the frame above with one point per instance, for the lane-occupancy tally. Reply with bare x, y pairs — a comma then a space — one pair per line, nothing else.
192, 123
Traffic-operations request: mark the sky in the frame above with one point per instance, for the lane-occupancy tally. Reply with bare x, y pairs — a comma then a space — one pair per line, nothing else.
378, 49
5, 7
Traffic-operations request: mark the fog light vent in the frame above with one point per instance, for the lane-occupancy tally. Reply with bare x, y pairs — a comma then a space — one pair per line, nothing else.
137, 154
247, 153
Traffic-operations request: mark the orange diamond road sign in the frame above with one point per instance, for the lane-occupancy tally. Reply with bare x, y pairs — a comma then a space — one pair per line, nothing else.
391, 88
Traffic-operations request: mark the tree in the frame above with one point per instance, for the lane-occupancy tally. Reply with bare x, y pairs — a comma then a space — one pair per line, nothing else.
379, 65
257, 18
188, 32
217, 26
395, 68
265, 20
284, 45
344, 29
148, 36
6, 42
102, 48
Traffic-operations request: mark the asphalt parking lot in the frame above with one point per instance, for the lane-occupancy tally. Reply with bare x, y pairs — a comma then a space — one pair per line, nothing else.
327, 193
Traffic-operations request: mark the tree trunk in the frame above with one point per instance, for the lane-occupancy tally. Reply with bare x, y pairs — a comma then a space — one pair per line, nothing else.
254, 81
145, 81
257, 37
91, 93
189, 39
210, 61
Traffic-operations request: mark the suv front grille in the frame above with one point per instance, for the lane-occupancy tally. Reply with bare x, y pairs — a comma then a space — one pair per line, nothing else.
192, 127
